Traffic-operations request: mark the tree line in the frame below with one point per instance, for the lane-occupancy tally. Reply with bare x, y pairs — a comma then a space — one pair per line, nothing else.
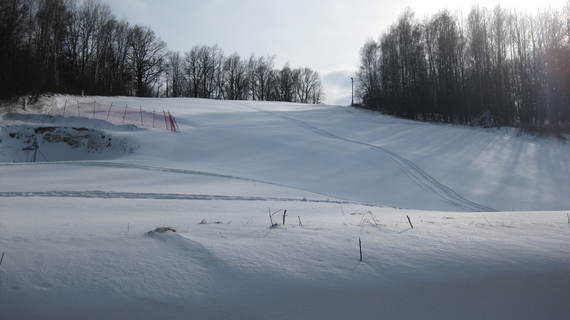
75, 47
205, 72
493, 68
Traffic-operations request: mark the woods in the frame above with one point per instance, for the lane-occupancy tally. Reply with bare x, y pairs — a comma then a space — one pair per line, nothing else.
491, 68
205, 72
76, 47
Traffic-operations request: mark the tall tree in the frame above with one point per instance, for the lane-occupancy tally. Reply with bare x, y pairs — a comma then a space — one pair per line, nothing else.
147, 57
494, 68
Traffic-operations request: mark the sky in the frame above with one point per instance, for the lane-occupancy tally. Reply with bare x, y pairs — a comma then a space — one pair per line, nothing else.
325, 35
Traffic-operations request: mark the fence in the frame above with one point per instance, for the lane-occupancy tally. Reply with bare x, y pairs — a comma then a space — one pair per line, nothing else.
118, 114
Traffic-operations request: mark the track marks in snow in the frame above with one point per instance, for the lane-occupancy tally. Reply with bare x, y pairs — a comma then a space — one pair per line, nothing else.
160, 196
408, 167
122, 165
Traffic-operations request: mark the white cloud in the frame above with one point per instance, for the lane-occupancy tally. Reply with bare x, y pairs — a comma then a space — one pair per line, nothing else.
337, 84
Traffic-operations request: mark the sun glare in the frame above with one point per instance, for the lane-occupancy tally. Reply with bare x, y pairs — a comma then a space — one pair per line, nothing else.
527, 6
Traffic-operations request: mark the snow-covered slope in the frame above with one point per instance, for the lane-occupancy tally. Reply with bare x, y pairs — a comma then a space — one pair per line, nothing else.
341, 152
73, 232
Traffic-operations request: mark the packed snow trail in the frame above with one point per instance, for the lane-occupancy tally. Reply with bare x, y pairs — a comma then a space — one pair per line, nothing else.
119, 165
133, 166
161, 196
410, 169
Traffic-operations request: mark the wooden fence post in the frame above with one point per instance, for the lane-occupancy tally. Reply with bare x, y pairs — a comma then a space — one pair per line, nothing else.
165, 120
172, 124
270, 218
109, 111
125, 114
175, 123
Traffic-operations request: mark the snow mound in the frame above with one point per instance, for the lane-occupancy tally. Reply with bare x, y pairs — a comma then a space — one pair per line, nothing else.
28, 143
161, 230
67, 121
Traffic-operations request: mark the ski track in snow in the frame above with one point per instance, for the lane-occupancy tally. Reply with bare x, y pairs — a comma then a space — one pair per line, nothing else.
410, 169
160, 196
133, 166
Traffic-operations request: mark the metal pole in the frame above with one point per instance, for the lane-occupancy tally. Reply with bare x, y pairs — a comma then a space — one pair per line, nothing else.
165, 121
35, 149
125, 114
352, 82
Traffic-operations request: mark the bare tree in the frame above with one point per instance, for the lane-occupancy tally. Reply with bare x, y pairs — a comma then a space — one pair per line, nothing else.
369, 88
235, 78
308, 87
79, 46
147, 57
496, 67
174, 75
262, 78
286, 84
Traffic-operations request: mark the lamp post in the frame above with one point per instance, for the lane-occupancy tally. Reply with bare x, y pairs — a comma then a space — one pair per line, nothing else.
352, 83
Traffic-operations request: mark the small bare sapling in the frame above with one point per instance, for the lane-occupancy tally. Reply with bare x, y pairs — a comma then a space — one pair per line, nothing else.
273, 224
410, 222
360, 248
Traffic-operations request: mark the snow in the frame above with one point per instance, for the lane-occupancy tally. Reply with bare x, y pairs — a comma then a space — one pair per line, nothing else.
74, 232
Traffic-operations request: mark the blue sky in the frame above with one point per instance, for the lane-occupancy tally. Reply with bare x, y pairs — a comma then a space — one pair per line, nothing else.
325, 35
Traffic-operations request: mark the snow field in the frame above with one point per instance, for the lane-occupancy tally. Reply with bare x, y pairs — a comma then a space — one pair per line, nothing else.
451, 262
74, 232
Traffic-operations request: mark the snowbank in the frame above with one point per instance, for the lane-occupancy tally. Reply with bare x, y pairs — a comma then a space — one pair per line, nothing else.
39, 138
90, 258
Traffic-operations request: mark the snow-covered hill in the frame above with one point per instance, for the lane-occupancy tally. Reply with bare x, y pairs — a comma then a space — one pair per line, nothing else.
339, 152
73, 232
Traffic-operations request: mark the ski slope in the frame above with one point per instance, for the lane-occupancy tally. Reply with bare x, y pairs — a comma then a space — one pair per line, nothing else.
489, 239
339, 152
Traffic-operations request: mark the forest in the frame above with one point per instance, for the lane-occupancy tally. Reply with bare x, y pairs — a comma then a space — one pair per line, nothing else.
492, 67
80, 47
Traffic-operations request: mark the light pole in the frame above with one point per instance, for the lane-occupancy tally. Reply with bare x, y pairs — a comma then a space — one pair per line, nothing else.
352, 100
